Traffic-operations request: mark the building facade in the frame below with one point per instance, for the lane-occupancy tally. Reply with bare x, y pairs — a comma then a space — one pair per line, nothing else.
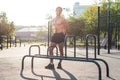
31, 34
78, 9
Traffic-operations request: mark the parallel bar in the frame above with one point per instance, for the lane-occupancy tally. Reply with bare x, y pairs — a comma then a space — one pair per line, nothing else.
34, 46
98, 30
87, 37
74, 44
63, 58
109, 31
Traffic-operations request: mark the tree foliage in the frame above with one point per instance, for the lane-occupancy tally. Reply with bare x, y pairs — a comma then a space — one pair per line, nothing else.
6, 27
114, 9
90, 17
87, 22
77, 26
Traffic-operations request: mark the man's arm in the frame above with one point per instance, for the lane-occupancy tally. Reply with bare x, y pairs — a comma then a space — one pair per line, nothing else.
66, 27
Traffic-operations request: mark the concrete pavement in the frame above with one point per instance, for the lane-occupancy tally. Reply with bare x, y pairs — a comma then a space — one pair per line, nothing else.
10, 65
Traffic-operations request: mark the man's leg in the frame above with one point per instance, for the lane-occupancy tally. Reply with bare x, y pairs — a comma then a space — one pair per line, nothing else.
51, 65
61, 54
52, 46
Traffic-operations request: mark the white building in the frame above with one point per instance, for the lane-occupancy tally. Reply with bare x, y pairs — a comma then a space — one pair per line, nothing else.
78, 9
29, 33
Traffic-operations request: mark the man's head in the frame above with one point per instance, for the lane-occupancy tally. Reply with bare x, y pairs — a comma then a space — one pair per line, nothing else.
58, 11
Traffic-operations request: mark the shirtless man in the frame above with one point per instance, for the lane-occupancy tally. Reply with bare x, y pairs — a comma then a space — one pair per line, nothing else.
61, 30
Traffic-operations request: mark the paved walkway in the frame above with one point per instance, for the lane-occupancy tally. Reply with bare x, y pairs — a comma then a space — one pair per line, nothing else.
10, 66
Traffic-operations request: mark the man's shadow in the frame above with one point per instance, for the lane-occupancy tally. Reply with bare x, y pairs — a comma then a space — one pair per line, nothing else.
58, 77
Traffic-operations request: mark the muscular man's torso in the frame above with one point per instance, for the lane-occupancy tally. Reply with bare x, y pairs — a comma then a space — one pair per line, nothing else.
58, 23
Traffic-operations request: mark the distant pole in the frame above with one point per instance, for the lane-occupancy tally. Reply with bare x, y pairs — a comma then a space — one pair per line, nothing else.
10, 41
7, 41
109, 30
15, 42
118, 37
48, 32
20, 43
98, 30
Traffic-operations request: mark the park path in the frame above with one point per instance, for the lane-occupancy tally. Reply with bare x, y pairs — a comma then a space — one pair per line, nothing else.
10, 66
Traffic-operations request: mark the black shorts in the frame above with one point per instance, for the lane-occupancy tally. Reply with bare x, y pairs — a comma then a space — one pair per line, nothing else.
58, 38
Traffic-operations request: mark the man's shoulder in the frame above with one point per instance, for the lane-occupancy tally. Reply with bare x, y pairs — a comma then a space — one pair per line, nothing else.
63, 18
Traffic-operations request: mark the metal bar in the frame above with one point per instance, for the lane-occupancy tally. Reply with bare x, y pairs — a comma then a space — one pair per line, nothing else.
65, 46
98, 36
93, 60
48, 33
20, 43
99, 70
106, 65
95, 47
118, 38
34, 46
87, 45
15, 41
74, 59
109, 33
32, 65
10, 41
22, 68
74, 46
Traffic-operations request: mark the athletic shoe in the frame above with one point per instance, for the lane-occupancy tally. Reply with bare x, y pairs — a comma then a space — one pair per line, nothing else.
59, 66
50, 66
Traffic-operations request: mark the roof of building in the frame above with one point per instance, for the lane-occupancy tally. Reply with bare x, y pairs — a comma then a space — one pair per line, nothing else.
29, 29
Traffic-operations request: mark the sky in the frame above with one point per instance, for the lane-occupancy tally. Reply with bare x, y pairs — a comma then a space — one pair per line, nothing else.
34, 12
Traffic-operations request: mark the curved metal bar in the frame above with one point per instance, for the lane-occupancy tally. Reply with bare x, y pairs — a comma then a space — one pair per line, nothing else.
106, 65
34, 46
84, 60
32, 65
22, 68
99, 70
65, 41
94, 36
32, 69
23, 61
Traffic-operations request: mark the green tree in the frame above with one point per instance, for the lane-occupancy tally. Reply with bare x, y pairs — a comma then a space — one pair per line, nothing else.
11, 29
77, 26
87, 23
114, 8
90, 18
6, 28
